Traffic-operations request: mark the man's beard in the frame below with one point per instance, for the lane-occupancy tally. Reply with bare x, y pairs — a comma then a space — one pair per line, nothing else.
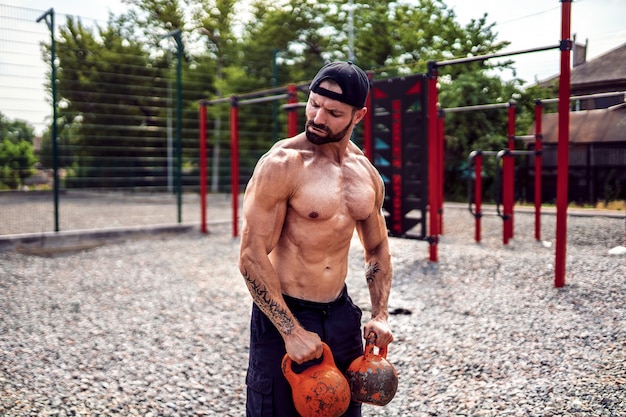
330, 136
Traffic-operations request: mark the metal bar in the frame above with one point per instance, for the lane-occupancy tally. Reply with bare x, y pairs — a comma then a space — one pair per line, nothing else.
293, 106
489, 152
442, 163
216, 101
54, 133
470, 187
234, 162
478, 192
499, 181
508, 179
490, 56
255, 94
292, 116
368, 147
524, 137
563, 146
179, 124
433, 165
203, 166
538, 160
545, 101
584, 97
476, 107
264, 99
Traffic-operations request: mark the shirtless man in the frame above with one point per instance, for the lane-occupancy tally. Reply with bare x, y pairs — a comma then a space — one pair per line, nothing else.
305, 199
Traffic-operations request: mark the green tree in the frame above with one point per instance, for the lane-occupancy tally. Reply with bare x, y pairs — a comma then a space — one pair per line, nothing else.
116, 83
16, 152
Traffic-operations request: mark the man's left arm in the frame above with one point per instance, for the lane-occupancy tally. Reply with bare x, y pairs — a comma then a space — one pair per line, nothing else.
378, 272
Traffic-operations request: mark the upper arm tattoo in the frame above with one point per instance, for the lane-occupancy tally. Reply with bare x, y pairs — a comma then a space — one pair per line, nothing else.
277, 314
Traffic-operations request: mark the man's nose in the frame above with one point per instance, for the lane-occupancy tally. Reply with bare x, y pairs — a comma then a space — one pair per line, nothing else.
320, 117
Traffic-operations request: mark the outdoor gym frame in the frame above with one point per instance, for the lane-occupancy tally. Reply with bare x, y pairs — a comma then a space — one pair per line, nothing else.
476, 156
505, 178
435, 129
435, 164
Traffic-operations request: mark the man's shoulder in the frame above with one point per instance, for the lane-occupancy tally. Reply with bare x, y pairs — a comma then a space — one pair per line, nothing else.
283, 156
284, 150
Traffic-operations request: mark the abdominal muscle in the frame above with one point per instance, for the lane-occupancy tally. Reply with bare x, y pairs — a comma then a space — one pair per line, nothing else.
311, 259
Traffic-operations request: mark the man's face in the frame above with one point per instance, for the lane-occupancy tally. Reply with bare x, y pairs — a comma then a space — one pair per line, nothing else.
329, 120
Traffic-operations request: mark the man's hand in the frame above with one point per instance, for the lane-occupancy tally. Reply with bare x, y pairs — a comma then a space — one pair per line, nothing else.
303, 346
382, 330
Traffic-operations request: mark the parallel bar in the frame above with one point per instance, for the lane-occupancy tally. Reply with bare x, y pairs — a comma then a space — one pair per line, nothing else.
584, 97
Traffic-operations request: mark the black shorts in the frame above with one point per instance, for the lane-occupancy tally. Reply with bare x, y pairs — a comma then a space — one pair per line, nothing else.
337, 323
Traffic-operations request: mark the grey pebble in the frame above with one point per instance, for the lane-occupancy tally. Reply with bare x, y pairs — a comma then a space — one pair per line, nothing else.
159, 326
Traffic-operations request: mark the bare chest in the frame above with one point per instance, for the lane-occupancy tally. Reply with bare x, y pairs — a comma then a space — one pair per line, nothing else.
334, 192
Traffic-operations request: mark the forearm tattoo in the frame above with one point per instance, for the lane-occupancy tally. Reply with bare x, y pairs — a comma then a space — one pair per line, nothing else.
371, 270
278, 315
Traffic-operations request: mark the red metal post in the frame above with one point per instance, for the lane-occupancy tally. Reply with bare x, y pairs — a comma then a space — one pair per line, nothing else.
538, 162
563, 146
478, 195
433, 163
442, 162
368, 147
234, 162
292, 114
508, 183
203, 165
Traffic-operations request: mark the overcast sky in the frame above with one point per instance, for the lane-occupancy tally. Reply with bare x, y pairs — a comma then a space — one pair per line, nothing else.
525, 23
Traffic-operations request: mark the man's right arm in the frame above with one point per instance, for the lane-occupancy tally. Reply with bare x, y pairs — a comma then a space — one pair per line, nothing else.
264, 211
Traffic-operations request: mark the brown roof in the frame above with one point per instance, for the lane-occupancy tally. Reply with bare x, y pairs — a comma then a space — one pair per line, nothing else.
602, 125
609, 68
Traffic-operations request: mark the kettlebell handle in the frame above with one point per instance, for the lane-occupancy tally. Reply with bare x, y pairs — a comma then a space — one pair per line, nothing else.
294, 378
370, 344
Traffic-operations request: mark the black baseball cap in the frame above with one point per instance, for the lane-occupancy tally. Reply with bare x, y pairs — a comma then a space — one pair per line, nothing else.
355, 85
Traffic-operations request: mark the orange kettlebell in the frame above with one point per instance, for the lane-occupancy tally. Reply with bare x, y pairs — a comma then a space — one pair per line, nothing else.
318, 391
373, 380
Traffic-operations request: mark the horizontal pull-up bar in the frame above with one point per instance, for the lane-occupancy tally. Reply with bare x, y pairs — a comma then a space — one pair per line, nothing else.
477, 152
587, 96
264, 99
476, 107
276, 94
490, 56
293, 106
525, 137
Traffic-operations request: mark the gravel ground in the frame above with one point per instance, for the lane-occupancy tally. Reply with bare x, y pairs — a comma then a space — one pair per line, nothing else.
158, 326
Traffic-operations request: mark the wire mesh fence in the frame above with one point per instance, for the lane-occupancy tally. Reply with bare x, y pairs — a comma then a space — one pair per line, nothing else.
127, 129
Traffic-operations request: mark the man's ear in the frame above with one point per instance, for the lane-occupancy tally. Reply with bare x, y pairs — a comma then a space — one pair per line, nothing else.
359, 115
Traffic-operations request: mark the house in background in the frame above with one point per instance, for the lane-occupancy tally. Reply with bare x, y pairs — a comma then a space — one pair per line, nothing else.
597, 143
